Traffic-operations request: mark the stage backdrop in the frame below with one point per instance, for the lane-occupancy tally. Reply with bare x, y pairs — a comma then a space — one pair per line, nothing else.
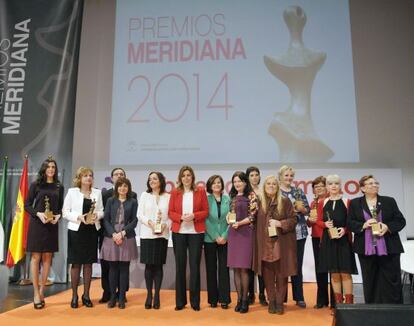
39, 46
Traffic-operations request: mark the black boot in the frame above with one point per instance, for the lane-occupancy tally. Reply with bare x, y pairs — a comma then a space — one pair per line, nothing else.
262, 299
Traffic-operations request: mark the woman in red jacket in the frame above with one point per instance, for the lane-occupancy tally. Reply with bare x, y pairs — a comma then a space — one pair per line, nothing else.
188, 210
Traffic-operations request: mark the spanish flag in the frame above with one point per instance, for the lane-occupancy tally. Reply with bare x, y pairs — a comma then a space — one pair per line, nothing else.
17, 243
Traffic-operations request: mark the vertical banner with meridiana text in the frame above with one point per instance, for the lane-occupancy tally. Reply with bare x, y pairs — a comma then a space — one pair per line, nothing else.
39, 49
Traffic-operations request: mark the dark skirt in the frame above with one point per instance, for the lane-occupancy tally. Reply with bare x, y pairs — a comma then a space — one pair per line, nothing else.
153, 251
336, 256
42, 237
83, 245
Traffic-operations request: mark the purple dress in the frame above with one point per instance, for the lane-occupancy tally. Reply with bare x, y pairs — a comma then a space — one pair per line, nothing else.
240, 241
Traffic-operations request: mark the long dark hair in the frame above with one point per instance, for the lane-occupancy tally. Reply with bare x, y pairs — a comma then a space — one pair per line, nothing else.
243, 177
41, 175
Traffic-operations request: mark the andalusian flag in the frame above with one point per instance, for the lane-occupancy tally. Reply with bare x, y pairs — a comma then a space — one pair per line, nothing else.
17, 243
3, 209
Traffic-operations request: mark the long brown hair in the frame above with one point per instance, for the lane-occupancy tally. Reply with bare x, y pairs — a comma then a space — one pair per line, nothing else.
180, 186
277, 197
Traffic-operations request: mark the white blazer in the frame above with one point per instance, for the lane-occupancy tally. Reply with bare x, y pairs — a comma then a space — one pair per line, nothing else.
148, 209
73, 204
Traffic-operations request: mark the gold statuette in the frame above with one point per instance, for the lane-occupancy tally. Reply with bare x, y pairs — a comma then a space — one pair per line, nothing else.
231, 216
375, 227
48, 213
89, 218
333, 231
158, 225
272, 230
298, 203
313, 214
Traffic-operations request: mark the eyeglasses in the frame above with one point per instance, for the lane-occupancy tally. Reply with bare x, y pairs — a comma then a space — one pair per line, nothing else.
372, 184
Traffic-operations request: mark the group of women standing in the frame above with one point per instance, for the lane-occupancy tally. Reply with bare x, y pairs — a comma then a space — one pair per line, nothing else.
253, 229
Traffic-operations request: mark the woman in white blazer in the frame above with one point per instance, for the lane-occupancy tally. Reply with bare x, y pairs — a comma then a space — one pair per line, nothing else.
82, 231
153, 208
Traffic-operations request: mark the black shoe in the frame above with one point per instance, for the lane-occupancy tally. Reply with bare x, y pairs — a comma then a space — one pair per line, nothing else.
262, 299
251, 298
244, 307
177, 308
237, 307
104, 299
111, 304
38, 305
156, 304
279, 309
121, 304
87, 302
195, 307
148, 301
301, 304
224, 306
319, 306
213, 305
74, 302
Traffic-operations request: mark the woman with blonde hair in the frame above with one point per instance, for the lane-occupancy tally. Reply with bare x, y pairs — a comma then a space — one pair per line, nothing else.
301, 208
275, 252
83, 209
336, 256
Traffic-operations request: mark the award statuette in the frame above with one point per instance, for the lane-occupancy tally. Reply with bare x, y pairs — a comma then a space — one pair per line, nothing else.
313, 214
89, 218
157, 226
48, 213
333, 231
375, 227
231, 216
272, 230
298, 203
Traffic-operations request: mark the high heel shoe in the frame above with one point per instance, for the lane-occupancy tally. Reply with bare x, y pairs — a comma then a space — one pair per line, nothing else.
87, 302
156, 304
37, 305
148, 302
74, 302
244, 306
237, 307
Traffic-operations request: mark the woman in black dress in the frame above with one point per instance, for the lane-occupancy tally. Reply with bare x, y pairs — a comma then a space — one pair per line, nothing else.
44, 204
82, 231
336, 256
119, 246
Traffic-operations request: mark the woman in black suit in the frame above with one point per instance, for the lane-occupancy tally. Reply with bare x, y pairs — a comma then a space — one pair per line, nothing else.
119, 246
379, 255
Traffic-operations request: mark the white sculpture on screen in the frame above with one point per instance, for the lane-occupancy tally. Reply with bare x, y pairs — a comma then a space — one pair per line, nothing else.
293, 129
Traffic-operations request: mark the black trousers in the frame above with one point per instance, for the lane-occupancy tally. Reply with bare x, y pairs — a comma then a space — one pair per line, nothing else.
381, 277
218, 275
118, 278
251, 284
297, 280
322, 297
193, 243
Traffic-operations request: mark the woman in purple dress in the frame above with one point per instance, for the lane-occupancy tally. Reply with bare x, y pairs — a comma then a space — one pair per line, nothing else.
240, 238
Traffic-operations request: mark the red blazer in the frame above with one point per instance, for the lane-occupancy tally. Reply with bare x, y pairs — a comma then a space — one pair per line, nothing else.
200, 209
317, 228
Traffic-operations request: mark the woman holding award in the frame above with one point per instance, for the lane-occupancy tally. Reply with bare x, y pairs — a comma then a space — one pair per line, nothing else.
376, 221
119, 246
301, 207
275, 250
188, 210
243, 209
319, 190
44, 204
215, 244
335, 255
253, 173
154, 234
83, 209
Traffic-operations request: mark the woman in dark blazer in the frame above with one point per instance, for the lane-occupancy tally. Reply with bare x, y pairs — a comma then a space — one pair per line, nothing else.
379, 255
188, 210
119, 246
